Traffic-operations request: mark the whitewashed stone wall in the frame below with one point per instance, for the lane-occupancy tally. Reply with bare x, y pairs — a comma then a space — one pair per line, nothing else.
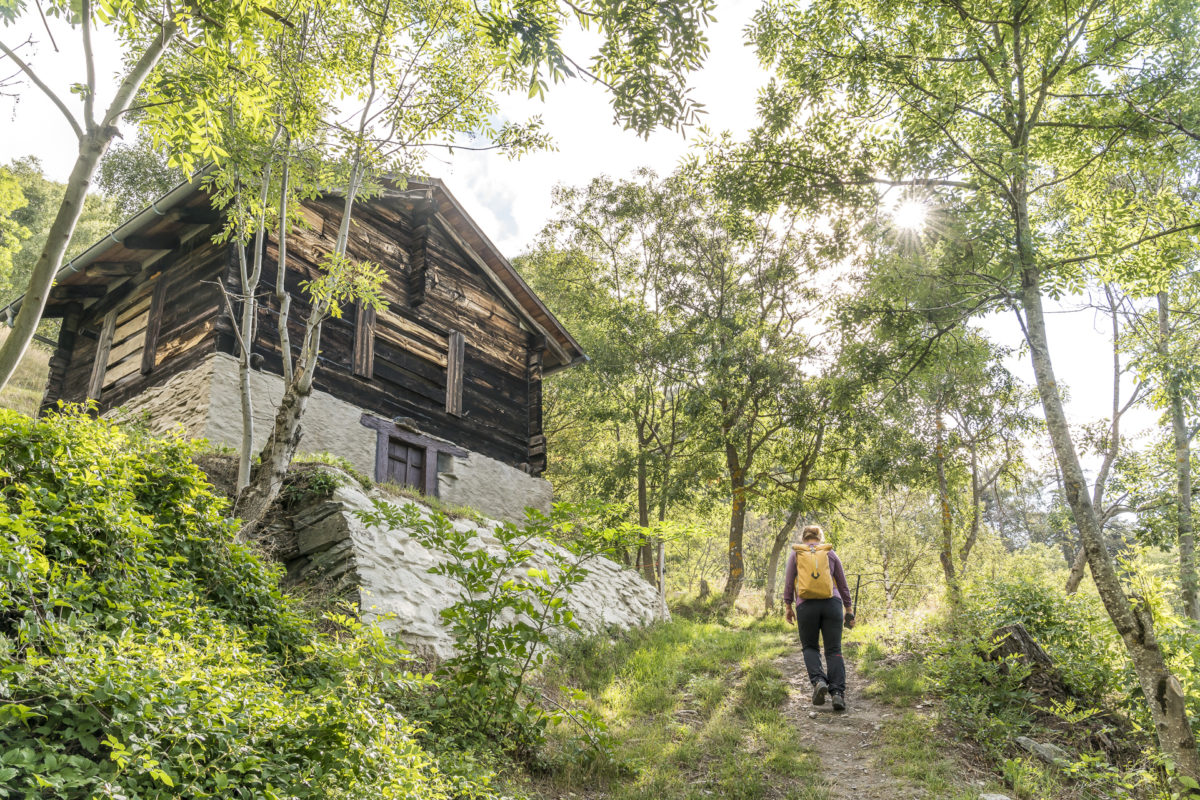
493, 487
388, 570
205, 402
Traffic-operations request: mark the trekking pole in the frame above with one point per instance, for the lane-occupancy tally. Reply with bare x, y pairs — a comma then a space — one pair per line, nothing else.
854, 608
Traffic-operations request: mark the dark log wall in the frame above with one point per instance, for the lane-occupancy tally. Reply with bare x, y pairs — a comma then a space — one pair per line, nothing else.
186, 329
408, 370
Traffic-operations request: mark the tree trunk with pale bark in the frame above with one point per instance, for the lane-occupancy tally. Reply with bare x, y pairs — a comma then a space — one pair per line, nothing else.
1189, 585
1133, 621
946, 556
781, 540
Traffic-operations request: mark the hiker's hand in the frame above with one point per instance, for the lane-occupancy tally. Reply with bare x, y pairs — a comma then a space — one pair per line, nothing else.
850, 620
790, 615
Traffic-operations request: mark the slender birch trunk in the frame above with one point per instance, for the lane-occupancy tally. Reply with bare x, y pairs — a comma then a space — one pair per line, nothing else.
266, 481
1190, 590
1130, 616
946, 556
250, 274
781, 540
94, 140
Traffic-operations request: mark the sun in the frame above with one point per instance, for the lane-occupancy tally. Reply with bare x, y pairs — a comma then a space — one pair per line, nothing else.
910, 215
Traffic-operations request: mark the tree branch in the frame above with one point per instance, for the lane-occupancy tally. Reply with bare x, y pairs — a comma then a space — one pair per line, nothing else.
38, 82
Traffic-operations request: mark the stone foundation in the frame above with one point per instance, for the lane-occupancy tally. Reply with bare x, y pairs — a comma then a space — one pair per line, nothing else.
387, 571
205, 403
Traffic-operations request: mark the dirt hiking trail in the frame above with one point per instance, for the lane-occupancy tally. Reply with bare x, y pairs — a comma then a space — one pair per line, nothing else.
844, 741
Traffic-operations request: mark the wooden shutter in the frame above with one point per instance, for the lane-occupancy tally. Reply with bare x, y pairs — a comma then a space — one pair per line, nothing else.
100, 366
153, 325
364, 342
454, 373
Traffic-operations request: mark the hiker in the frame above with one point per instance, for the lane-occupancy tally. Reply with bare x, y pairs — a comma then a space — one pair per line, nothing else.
818, 600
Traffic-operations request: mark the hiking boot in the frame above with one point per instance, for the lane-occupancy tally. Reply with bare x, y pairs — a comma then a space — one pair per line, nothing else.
839, 701
820, 690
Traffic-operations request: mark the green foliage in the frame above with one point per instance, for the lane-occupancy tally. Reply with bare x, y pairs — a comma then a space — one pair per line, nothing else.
507, 615
132, 176
143, 653
42, 197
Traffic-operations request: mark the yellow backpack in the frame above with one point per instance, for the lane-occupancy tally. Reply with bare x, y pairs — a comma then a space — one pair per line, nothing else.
813, 578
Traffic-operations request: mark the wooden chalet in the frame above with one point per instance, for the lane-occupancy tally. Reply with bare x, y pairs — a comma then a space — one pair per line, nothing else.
452, 367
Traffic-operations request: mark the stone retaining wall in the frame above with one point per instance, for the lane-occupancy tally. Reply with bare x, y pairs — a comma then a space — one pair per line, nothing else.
387, 572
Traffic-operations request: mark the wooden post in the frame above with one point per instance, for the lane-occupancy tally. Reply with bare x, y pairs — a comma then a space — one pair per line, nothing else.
536, 457
364, 342
154, 325
61, 360
454, 373
419, 262
100, 366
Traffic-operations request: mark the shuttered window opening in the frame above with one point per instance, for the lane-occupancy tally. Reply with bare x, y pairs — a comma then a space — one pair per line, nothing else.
406, 464
454, 373
408, 458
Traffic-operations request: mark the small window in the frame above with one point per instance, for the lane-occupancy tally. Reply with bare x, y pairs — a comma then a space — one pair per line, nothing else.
406, 457
406, 464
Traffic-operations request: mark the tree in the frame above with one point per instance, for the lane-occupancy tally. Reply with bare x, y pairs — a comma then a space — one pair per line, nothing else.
602, 264
12, 232
218, 33
422, 75
748, 289
133, 175
1017, 109
42, 198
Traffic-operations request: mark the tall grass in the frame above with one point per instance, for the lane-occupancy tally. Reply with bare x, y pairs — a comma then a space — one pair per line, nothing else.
24, 391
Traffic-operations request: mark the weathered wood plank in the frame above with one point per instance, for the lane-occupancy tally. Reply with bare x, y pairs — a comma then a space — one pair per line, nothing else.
364, 341
154, 325
413, 337
100, 364
128, 365
454, 374
159, 241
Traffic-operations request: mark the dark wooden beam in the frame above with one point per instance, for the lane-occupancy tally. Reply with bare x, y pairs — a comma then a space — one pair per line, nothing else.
113, 269
454, 373
61, 360
153, 325
80, 291
418, 263
364, 342
56, 310
158, 241
196, 215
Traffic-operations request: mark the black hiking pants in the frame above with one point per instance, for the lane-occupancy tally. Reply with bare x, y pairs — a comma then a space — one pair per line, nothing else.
822, 619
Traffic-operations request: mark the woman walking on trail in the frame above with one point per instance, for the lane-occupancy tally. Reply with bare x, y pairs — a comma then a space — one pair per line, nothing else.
817, 598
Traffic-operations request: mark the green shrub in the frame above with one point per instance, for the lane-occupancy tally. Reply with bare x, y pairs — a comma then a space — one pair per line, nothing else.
506, 617
145, 654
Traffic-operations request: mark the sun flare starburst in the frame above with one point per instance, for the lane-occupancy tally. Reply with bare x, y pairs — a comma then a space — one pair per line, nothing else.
910, 215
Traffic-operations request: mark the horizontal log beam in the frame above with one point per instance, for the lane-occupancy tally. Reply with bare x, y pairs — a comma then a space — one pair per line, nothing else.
113, 269
151, 242
196, 215
83, 290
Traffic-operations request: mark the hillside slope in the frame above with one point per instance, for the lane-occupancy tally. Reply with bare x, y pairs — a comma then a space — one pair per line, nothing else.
143, 653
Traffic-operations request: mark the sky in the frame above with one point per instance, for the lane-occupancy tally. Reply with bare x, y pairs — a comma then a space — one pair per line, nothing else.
511, 200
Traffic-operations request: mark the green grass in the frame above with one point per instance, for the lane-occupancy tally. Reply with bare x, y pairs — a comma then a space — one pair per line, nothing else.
911, 748
28, 383
695, 711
